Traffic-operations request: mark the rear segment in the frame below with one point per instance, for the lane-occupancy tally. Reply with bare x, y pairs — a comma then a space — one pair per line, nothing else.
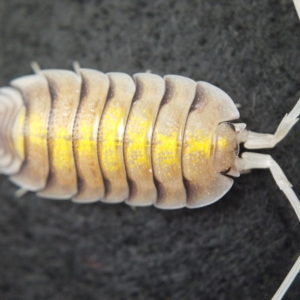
12, 119
144, 139
35, 95
64, 92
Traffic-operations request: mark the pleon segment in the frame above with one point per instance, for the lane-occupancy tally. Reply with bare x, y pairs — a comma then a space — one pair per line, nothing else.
111, 135
2, 114
138, 139
205, 184
6, 112
15, 130
168, 139
65, 90
35, 92
17, 133
94, 92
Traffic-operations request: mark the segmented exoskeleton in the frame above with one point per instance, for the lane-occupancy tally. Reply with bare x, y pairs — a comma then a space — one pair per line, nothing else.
142, 139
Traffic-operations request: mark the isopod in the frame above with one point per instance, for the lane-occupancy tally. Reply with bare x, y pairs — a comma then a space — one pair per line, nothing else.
146, 140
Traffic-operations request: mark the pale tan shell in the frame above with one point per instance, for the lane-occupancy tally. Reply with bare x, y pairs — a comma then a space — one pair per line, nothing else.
145, 139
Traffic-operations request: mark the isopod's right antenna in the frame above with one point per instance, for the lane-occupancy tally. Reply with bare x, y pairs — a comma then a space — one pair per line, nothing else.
297, 5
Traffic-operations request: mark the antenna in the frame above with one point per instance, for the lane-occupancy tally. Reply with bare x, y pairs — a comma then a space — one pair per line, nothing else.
297, 5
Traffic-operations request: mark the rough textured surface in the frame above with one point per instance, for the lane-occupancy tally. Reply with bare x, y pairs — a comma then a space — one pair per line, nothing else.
239, 248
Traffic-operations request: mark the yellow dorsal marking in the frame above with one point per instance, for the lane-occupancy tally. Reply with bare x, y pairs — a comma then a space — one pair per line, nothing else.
37, 134
222, 143
201, 142
85, 143
61, 145
166, 148
137, 143
111, 138
18, 133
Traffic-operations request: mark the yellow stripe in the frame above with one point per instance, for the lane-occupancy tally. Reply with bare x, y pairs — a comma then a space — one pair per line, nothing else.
137, 144
18, 133
200, 142
111, 138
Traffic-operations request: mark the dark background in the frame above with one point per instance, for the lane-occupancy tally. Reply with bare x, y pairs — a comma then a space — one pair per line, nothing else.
240, 248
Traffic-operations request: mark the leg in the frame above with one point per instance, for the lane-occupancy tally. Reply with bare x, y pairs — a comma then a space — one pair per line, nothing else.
255, 140
297, 5
251, 160
76, 67
35, 67
288, 280
21, 192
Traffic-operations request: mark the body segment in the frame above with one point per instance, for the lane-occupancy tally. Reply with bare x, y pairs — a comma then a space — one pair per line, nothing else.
138, 139
37, 101
15, 131
65, 87
111, 137
168, 140
94, 91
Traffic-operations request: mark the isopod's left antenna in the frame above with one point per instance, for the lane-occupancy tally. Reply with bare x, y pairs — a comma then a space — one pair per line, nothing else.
250, 160
255, 140
297, 5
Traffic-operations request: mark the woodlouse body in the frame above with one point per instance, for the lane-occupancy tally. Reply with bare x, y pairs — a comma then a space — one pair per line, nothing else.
144, 139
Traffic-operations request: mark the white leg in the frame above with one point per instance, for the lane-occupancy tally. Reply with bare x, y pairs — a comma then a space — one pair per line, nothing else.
76, 67
255, 140
297, 5
251, 160
290, 277
35, 67
21, 192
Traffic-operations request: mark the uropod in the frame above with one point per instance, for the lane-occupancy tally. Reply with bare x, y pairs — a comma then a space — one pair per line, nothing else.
144, 139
